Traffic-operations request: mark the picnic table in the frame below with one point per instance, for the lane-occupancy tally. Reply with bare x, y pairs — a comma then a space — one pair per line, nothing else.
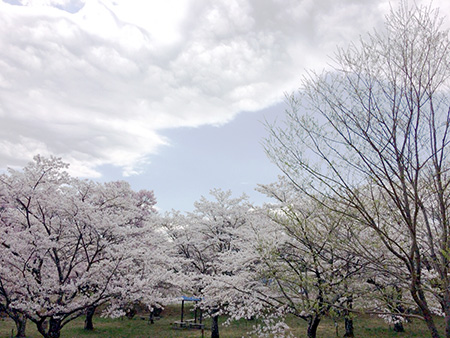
187, 324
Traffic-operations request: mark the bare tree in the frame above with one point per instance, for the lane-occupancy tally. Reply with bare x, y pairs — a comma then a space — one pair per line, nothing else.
372, 132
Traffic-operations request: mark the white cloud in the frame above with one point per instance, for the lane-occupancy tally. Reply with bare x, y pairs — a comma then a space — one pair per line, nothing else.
96, 81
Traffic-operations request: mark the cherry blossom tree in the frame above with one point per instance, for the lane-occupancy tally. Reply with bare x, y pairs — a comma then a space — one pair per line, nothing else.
374, 131
68, 244
202, 238
288, 261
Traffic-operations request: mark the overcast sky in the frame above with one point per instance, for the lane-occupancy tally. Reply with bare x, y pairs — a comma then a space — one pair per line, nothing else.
168, 95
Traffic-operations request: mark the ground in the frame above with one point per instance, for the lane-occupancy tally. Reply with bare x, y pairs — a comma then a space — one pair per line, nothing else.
365, 326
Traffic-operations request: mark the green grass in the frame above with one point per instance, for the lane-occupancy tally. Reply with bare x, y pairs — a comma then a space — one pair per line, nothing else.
365, 327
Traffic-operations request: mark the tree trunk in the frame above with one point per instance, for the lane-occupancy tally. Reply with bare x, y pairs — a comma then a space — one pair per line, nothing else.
54, 329
431, 326
398, 327
348, 322
313, 324
88, 323
447, 325
21, 324
53, 326
215, 327
419, 298
447, 313
19, 319
398, 308
42, 327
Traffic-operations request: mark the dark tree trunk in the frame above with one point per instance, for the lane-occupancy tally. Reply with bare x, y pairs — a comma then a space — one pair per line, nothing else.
446, 308
54, 328
42, 327
398, 327
447, 325
215, 327
420, 300
88, 323
398, 307
19, 319
430, 324
348, 322
21, 325
313, 324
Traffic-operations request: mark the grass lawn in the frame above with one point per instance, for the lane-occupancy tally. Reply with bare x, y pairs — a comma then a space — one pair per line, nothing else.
365, 327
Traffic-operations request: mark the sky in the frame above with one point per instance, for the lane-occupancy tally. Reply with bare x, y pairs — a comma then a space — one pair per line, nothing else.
169, 95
